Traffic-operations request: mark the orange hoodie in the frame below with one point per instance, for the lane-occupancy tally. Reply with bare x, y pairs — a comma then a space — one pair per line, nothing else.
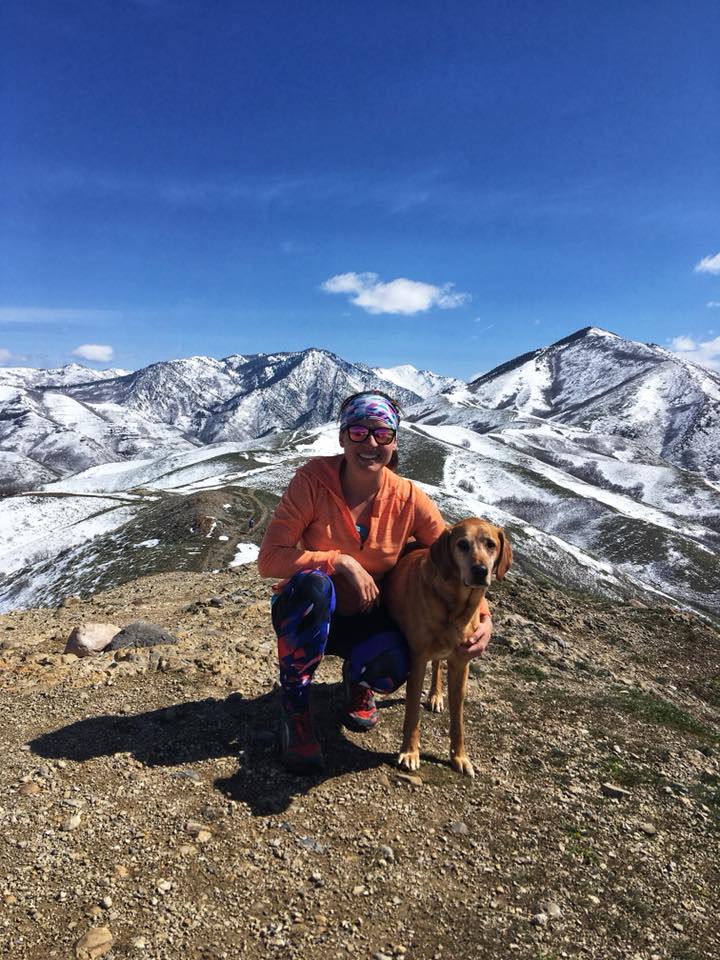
312, 526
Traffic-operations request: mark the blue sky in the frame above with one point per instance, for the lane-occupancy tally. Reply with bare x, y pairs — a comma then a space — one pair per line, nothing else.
438, 183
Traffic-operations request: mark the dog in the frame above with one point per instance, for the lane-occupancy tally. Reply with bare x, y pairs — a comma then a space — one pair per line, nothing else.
434, 595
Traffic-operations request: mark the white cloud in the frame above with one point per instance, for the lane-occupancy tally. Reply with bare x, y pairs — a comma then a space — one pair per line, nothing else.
397, 296
705, 352
5, 355
682, 344
713, 304
709, 265
94, 351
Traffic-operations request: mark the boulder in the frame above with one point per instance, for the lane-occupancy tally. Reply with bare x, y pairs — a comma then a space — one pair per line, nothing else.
90, 639
141, 634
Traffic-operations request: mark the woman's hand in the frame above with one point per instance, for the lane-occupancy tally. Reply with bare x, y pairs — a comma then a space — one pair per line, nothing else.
475, 644
363, 584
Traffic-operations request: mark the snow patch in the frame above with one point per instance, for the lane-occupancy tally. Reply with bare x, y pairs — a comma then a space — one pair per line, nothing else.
245, 553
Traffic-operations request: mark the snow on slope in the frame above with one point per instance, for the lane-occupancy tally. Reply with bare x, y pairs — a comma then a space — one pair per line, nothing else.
485, 459
66, 421
614, 387
72, 373
422, 382
568, 443
32, 526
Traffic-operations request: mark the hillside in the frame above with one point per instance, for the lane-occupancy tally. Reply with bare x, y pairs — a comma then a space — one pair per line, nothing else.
141, 792
598, 454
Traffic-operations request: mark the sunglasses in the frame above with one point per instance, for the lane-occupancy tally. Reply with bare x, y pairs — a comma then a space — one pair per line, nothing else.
382, 435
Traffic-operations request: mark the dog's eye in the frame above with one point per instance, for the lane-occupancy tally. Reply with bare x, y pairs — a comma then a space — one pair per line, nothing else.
463, 545
491, 545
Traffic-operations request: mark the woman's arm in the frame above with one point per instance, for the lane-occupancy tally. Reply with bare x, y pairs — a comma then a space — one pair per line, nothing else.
280, 555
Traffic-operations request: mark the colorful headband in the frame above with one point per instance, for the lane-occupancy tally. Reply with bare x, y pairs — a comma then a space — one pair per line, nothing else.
369, 406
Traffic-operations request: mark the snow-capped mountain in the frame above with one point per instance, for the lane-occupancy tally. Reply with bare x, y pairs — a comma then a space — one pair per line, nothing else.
614, 388
424, 383
56, 423
72, 373
580, 449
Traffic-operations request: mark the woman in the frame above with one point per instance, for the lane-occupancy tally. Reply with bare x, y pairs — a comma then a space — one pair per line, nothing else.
341, 525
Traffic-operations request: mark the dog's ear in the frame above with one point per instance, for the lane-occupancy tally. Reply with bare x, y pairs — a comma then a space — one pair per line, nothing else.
441, 557
505, 557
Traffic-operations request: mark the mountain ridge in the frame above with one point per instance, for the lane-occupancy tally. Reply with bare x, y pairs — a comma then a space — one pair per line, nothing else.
582, 455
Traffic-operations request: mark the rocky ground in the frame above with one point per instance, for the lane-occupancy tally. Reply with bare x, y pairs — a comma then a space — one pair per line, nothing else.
144, 814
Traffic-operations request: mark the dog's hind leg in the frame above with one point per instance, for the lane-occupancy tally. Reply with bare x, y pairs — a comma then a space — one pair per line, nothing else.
436, 701
410, 750
457, 684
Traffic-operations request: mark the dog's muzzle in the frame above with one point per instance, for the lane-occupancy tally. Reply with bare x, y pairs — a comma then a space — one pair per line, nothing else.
479, 575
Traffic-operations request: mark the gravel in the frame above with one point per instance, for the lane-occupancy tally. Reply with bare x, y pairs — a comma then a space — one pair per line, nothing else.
144, 813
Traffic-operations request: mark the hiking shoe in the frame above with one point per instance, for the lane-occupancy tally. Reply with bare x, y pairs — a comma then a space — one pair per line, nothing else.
300, 751
361, 712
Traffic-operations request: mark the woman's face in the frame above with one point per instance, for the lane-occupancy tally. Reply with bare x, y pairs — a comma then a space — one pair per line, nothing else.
367, 456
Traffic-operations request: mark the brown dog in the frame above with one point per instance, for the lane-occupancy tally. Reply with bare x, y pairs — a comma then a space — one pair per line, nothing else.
434, 596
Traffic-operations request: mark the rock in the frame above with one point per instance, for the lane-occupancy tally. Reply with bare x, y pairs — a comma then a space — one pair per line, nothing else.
68, 602
649, 829
387, 853
309, 843
552, 909
187, 775
539, 920
95, 943
410, 778
90, 639
459, 828
141, 634
30, 789
202, 833
615, 792
73, 822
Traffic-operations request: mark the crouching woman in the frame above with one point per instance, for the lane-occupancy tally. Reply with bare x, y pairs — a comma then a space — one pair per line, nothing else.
340, 526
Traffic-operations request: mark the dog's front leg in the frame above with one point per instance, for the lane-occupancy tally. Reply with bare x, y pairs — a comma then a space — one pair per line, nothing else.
457, 684
410, 750
436, 701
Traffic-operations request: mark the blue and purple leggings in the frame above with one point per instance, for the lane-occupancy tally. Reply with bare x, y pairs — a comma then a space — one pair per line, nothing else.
307, 628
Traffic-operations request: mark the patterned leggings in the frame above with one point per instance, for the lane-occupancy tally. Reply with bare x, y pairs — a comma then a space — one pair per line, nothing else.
304, 619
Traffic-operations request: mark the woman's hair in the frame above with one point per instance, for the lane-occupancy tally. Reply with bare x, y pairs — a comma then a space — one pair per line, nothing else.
394, 459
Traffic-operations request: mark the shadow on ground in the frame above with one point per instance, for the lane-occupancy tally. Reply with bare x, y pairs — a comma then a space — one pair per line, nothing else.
205, 729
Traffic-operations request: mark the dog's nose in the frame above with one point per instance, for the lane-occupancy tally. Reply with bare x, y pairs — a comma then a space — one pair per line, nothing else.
479, 572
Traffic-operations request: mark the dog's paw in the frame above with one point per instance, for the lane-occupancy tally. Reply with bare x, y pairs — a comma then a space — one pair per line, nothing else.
409, 760
436, 703
463, 765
